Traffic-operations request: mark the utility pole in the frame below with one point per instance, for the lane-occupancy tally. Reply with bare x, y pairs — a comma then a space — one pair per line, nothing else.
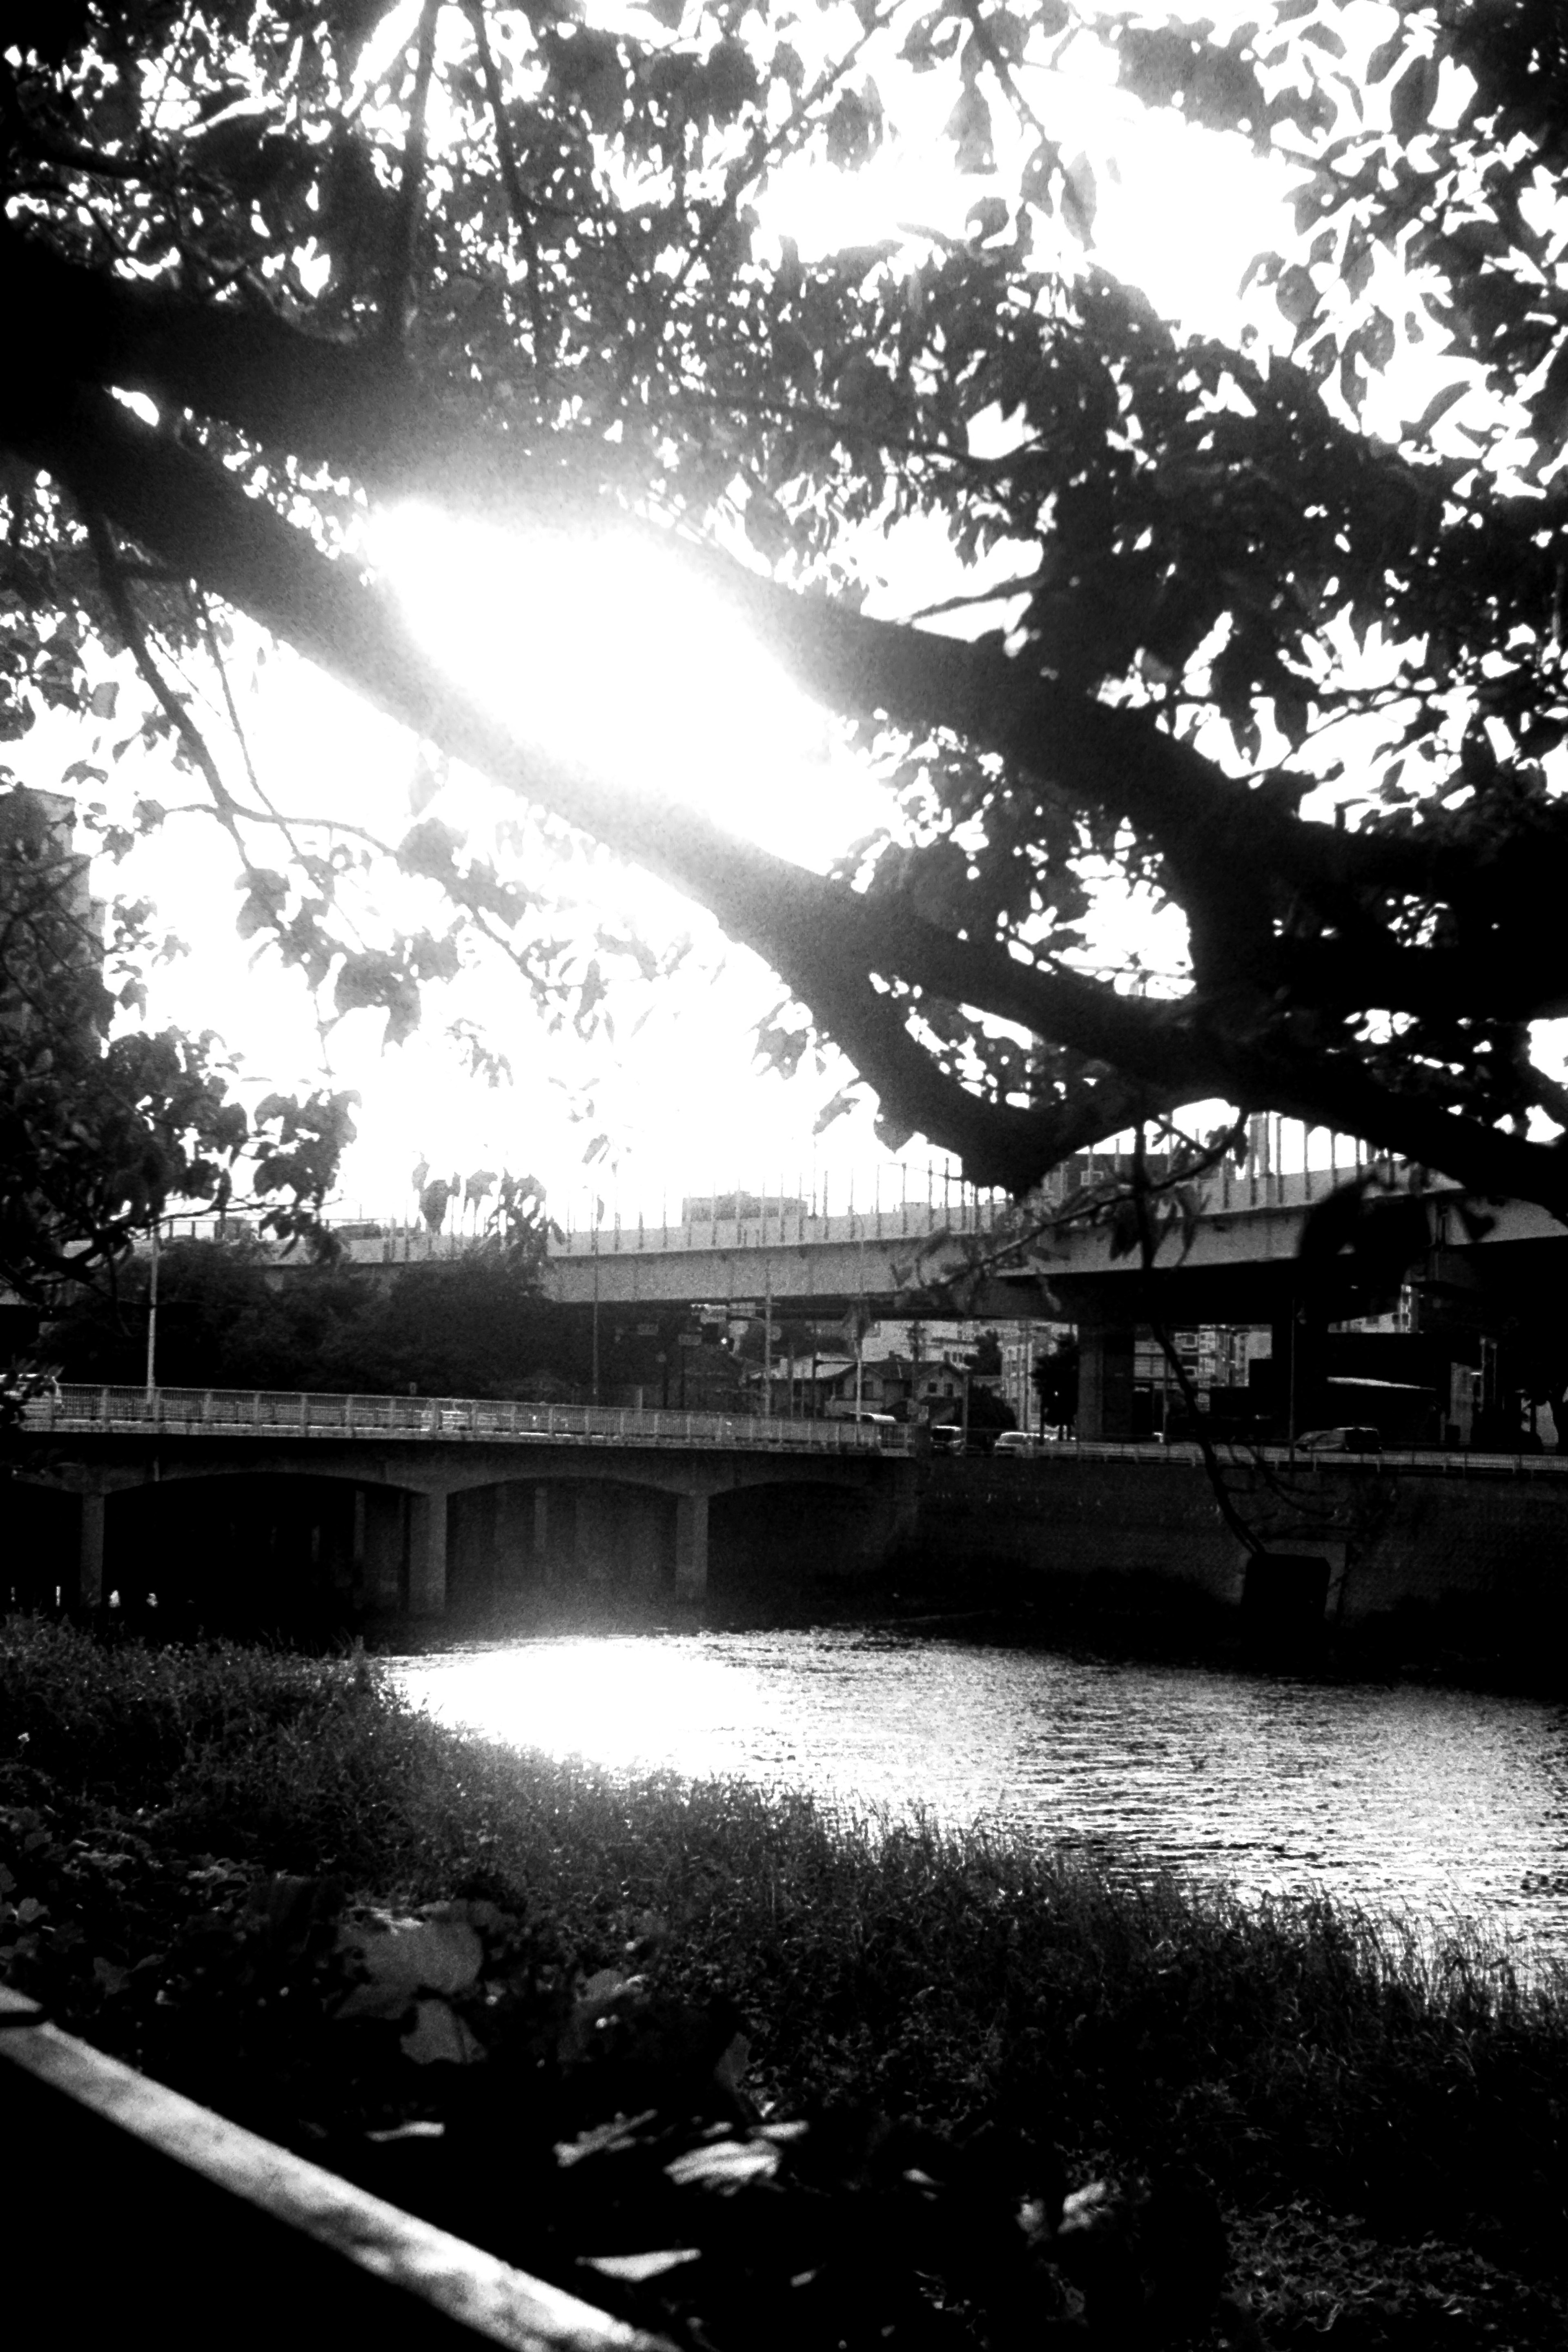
768, 1345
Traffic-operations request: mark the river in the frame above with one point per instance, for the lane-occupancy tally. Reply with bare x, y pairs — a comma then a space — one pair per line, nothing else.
1427, 1802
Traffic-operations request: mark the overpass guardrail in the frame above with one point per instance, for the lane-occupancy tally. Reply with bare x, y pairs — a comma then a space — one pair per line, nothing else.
280, 1413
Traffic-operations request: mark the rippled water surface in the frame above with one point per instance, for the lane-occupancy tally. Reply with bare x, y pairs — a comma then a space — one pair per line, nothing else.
1421, 1800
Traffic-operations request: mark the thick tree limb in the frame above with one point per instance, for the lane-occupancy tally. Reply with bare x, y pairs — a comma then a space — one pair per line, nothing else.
824, 940
1522, 976
362, 410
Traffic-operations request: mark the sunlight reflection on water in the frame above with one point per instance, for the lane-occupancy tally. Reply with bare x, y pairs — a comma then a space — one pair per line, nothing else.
1427, 1801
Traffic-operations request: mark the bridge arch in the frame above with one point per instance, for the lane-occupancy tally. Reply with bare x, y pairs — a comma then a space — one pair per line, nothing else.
257, 1518
769, 1536
561, 1526
239, 1551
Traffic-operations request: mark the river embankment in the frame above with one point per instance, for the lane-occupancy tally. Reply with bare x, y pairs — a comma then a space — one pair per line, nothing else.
1442, 1565
183, 1834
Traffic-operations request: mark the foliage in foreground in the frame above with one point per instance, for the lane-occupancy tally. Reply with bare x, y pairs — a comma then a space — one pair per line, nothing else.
1003, 2004
96, 1134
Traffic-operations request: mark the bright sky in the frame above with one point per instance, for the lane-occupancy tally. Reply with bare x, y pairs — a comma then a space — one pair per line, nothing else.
680, 1100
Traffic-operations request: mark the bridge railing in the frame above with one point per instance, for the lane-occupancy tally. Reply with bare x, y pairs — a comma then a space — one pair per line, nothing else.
281, 1412
200, 2217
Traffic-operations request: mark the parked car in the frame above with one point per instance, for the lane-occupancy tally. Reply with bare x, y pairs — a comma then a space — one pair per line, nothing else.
947, 1437
1018, 1441
1347, 1440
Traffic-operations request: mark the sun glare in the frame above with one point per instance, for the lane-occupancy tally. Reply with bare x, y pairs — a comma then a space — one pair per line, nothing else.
601, 649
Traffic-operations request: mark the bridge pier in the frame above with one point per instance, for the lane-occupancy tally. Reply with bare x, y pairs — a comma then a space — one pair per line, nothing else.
690, 1546
358, 1555
386, 1544
590, 1553
90, 1553
508, 1551
427, 1555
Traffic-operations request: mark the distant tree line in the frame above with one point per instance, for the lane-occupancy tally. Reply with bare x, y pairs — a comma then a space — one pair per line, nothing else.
226, 1319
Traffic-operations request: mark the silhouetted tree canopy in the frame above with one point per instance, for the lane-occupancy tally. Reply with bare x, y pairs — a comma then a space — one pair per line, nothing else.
1301, 677
229, 1318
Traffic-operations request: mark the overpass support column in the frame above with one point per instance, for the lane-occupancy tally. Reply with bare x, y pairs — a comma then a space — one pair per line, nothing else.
1302, 1399
426, 1555
690, 1546
90, 1553
1105, 1380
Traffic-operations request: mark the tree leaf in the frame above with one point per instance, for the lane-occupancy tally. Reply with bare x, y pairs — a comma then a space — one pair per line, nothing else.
435, 1955
724, 2165
1081, 198
1386, 56
1414, 96
438, 2037
969, 127
635, 2270
1297, 294
988, 218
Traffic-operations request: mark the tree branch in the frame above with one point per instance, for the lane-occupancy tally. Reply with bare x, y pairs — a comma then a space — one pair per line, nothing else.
397, 286
362, 410
1522, 976
512, 179
196, 744
825, 941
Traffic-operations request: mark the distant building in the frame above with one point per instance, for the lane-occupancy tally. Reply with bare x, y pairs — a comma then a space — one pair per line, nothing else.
741, 1208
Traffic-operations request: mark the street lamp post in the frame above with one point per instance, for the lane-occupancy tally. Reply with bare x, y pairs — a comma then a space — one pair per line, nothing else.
768, 1345
153, 1316
595, 1390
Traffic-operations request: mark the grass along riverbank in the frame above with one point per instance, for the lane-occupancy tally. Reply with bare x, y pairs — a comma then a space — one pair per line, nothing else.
1384, 2115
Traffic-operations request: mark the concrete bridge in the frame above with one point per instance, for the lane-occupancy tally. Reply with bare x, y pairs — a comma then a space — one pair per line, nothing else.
396, 1504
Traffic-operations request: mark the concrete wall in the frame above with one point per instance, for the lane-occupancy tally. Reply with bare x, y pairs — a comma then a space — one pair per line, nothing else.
1484, 1552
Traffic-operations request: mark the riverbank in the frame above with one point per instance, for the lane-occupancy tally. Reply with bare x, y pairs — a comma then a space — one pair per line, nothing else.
1383, 2118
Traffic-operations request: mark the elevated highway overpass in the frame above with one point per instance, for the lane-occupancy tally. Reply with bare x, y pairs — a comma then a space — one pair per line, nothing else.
1013, 1259
1237, 1262
1234, 1263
